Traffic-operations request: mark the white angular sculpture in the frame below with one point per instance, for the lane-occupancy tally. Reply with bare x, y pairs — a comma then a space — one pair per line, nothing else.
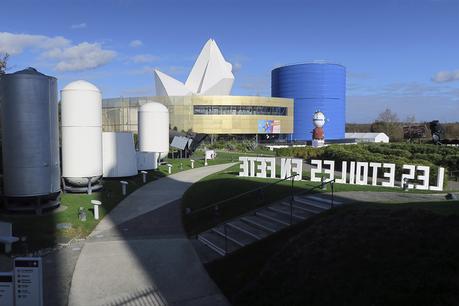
211, 75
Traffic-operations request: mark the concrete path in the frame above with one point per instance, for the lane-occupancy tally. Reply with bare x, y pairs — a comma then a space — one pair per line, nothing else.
140, 255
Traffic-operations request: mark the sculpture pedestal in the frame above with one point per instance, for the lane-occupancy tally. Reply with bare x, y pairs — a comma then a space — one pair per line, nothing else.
317, 143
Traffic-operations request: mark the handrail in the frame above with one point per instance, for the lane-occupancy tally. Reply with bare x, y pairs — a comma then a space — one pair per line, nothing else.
242, 194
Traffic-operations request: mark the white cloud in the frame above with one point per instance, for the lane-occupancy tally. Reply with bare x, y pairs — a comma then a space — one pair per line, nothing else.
144, 58
136, 43
446, 76
16, 43
64, 55
80, 57
82, 25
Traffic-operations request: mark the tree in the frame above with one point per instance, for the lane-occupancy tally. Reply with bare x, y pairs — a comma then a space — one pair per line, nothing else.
387, 116
411, 119
3, 62
387, 122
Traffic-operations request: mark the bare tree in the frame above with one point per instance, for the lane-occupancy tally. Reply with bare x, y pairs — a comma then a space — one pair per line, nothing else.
411, 119
387, 116
387, 122
3, 62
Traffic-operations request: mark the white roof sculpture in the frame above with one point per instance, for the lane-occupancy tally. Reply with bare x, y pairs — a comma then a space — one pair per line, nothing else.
211, 75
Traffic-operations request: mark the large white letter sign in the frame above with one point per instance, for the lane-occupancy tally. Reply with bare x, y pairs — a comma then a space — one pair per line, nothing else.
361, 173
244, 166
352, 173
252, 161
390, 175
440, 177
330, 171
261, 167
342, 180
286, 167
374, 171
297, 167
316, 170
424, 178
271, 166
408, 176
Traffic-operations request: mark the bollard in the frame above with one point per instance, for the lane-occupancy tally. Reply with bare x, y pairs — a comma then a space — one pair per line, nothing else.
169, 168
405, 184
123, 187
96, 205
324, 186
205, 161
181, 166
82, 214
192, 163
144, 176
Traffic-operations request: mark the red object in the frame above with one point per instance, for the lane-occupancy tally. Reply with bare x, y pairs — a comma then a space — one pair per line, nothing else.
318, 133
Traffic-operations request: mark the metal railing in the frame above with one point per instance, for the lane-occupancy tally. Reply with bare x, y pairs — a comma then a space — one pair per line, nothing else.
215, 207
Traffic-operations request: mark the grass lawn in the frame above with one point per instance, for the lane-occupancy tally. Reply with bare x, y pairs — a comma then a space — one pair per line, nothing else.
63, 225
227, 183
358, 254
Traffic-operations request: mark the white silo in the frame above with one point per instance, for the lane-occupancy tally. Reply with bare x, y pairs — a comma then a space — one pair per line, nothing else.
81, 120
119, 156
153, 120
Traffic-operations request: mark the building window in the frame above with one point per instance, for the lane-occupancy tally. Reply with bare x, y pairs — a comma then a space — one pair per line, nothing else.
239, 110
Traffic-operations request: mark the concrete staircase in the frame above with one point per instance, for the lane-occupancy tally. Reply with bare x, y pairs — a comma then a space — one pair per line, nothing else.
261, 223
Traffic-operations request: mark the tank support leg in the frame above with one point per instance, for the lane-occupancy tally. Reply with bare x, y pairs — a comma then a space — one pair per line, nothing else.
38, 209
89, 186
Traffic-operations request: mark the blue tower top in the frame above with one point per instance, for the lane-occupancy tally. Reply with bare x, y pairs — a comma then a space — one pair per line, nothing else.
313, 86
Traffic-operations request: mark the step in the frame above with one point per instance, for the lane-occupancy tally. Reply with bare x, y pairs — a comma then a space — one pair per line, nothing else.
204, 240
320, 206
273, 216
297, 213
306, 209
217, 242
252, 231
234, 235
263, 223
326, 198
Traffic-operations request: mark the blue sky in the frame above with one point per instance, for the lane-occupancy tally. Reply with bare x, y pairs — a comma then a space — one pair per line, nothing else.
403, 54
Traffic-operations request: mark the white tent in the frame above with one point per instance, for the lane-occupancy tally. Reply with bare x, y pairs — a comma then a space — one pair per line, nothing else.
368, 137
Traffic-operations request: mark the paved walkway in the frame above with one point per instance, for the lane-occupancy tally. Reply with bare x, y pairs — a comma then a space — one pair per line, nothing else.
140, 255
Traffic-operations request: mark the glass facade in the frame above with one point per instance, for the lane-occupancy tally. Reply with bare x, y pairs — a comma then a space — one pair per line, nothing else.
189, 113
239, 110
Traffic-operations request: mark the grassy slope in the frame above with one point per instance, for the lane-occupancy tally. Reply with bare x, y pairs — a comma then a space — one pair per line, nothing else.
361, 254
41, 231
225, 184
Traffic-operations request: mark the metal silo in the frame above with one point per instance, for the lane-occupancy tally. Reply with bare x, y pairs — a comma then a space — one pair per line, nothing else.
31, 177
314, 87
81, 121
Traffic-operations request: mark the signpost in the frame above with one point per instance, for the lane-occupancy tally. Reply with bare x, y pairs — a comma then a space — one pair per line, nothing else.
28, 281
6, 289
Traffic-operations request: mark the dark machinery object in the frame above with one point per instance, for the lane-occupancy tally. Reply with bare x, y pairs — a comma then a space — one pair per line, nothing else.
437, 131
414, 132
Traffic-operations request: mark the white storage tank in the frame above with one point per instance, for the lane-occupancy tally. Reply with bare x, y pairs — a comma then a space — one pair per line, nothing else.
81, 121
119, 155
153, 120
147, 160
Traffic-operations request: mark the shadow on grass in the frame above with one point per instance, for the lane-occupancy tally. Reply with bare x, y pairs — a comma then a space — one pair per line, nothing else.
359, 254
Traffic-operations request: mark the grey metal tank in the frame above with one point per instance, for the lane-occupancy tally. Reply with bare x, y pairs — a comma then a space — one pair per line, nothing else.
30, 134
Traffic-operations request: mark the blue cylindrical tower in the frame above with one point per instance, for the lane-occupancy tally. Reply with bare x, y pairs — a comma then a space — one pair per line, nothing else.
314, 87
